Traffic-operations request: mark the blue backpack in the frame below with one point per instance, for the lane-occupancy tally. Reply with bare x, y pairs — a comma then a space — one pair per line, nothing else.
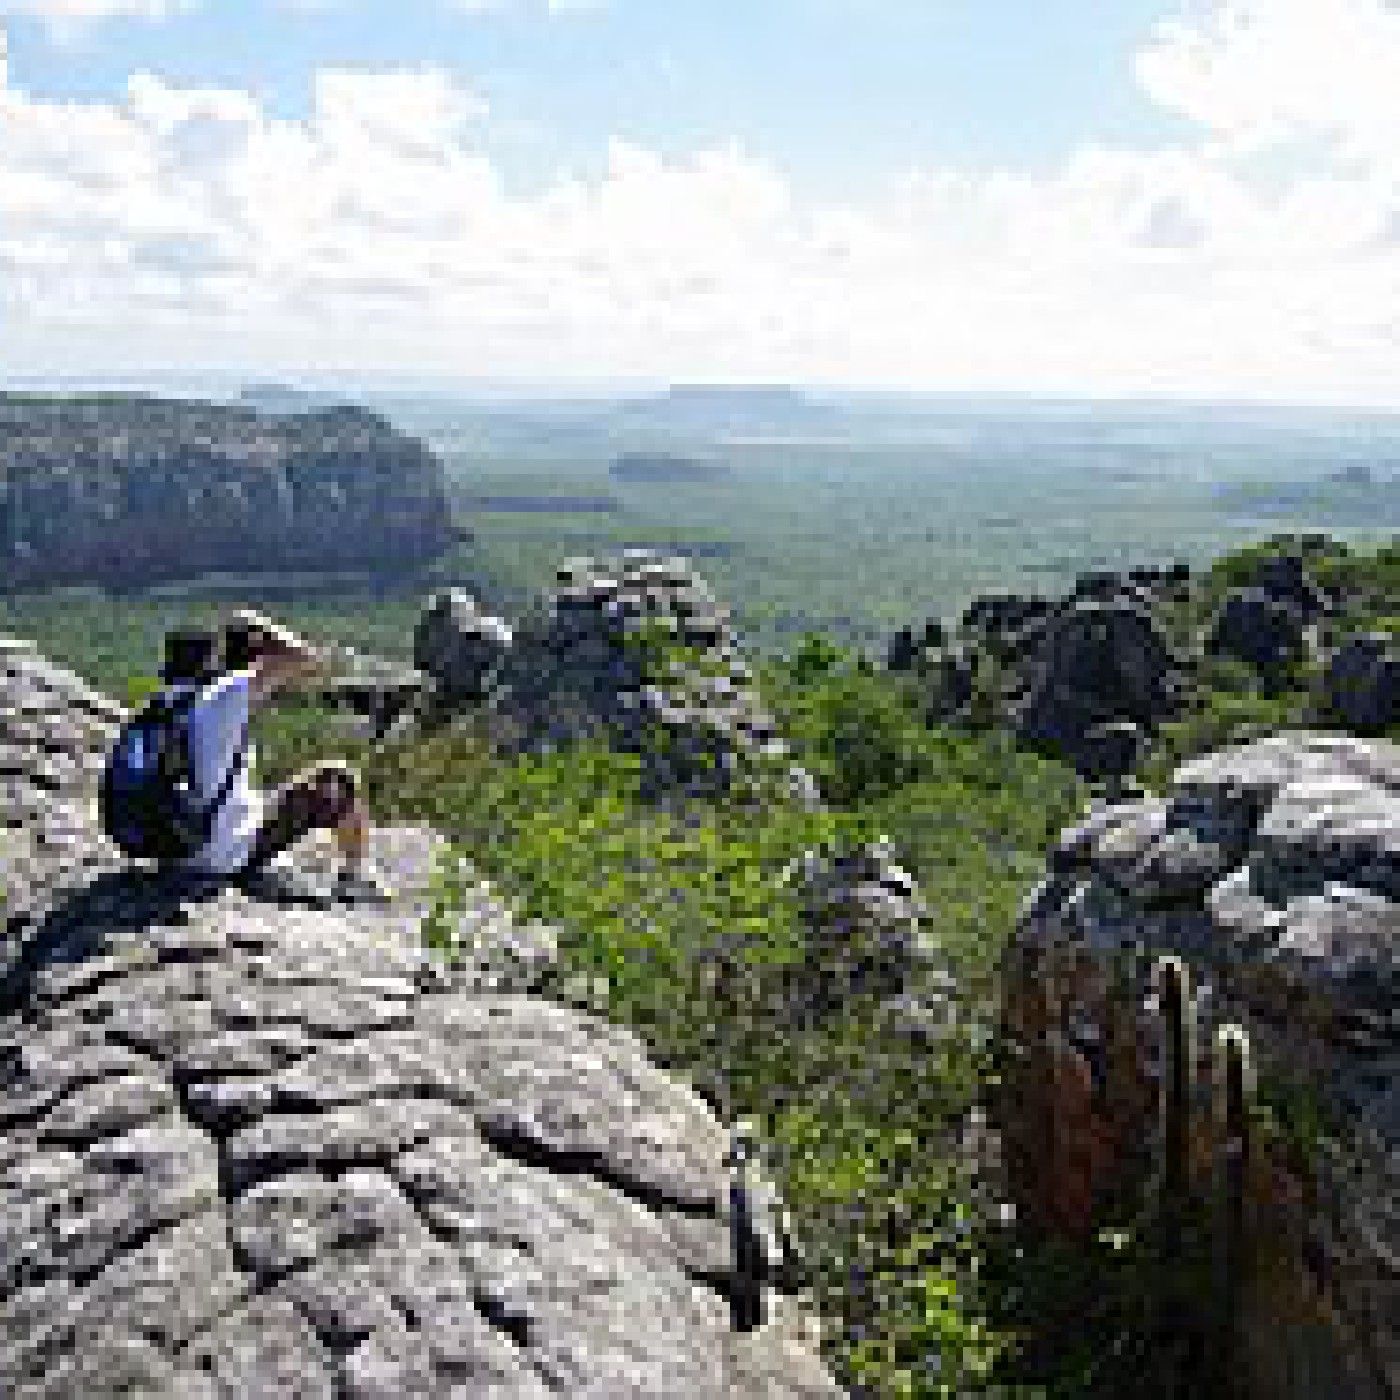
148, 802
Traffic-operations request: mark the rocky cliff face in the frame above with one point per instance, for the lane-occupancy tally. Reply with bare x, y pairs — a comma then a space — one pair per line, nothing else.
127, 491
256, 1149
1272, 873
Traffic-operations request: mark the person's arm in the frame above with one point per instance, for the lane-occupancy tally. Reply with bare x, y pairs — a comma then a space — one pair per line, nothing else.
281, 659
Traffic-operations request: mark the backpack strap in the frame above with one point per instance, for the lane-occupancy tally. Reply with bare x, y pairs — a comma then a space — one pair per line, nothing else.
240, 758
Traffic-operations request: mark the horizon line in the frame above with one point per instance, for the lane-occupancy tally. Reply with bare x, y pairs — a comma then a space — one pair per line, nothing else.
526, 390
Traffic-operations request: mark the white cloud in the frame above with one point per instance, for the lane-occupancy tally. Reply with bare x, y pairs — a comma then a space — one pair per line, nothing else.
1278, 73
376, 236
68, 19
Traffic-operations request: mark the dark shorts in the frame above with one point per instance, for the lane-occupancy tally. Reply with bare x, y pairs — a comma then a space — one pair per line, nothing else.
317, 800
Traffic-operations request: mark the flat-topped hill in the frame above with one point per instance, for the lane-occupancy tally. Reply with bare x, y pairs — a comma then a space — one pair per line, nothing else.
126, 490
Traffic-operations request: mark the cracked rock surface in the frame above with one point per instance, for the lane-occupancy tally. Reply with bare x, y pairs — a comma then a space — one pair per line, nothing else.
254, 1148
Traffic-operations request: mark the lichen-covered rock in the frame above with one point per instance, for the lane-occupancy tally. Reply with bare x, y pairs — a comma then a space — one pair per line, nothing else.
1273, 871
594, 666
258, 1149
137, 490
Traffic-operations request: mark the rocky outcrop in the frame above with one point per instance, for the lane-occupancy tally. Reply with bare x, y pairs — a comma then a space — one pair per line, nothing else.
376, 692
1285, 579
463, 649
1096, 664
867, 933
1259, 630
1090, 676
1109, 752
596, 664
284, 1149
1169, 583
1272, 872
130, 491
1361, 684
951, 685
1006, 625
911, 645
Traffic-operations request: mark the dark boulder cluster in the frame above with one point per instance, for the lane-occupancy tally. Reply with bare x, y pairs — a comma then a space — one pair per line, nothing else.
1285, 579
1006, 625
1272, 873
910, 644
131, 491
1266, 624
257, 1149
1090, 676
1263, 632
1097, 663
1361, 683
1170, 583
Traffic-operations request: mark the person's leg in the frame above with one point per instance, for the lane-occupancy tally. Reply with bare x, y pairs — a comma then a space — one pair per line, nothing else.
352, 831
323, 798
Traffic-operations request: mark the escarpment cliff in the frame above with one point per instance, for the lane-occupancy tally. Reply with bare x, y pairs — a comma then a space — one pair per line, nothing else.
252, 1148
125, 491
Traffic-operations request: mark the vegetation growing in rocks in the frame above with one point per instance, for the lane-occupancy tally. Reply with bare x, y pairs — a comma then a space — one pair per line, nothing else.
681, 925
863, 1122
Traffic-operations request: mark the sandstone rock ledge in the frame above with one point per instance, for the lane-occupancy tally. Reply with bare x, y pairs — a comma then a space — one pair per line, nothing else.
279, 1149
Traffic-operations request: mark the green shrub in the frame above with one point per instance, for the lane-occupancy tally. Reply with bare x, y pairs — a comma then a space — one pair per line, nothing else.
647, 900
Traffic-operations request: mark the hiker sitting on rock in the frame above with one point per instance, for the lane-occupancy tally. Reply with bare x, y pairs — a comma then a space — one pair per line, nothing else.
178, 785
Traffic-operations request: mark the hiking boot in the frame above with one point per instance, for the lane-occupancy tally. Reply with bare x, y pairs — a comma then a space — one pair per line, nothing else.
361, 887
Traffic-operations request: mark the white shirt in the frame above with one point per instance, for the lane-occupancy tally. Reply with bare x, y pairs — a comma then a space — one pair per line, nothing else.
216, 725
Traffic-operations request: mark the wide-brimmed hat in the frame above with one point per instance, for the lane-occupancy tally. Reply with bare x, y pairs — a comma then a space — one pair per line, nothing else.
191, 654
246, 623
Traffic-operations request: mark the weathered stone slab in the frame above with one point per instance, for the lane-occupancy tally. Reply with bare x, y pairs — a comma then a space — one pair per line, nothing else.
251, 1148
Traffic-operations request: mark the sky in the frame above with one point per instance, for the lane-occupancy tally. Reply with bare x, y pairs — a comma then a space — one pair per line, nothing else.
1177, 198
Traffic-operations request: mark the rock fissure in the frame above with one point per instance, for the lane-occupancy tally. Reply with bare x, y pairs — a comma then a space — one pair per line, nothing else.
510, 1141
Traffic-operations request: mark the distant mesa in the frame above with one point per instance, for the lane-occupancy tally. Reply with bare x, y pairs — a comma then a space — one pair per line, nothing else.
285, 398
750, 397
732, 408
545, 505
128, 491
1354, 474
667, 466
